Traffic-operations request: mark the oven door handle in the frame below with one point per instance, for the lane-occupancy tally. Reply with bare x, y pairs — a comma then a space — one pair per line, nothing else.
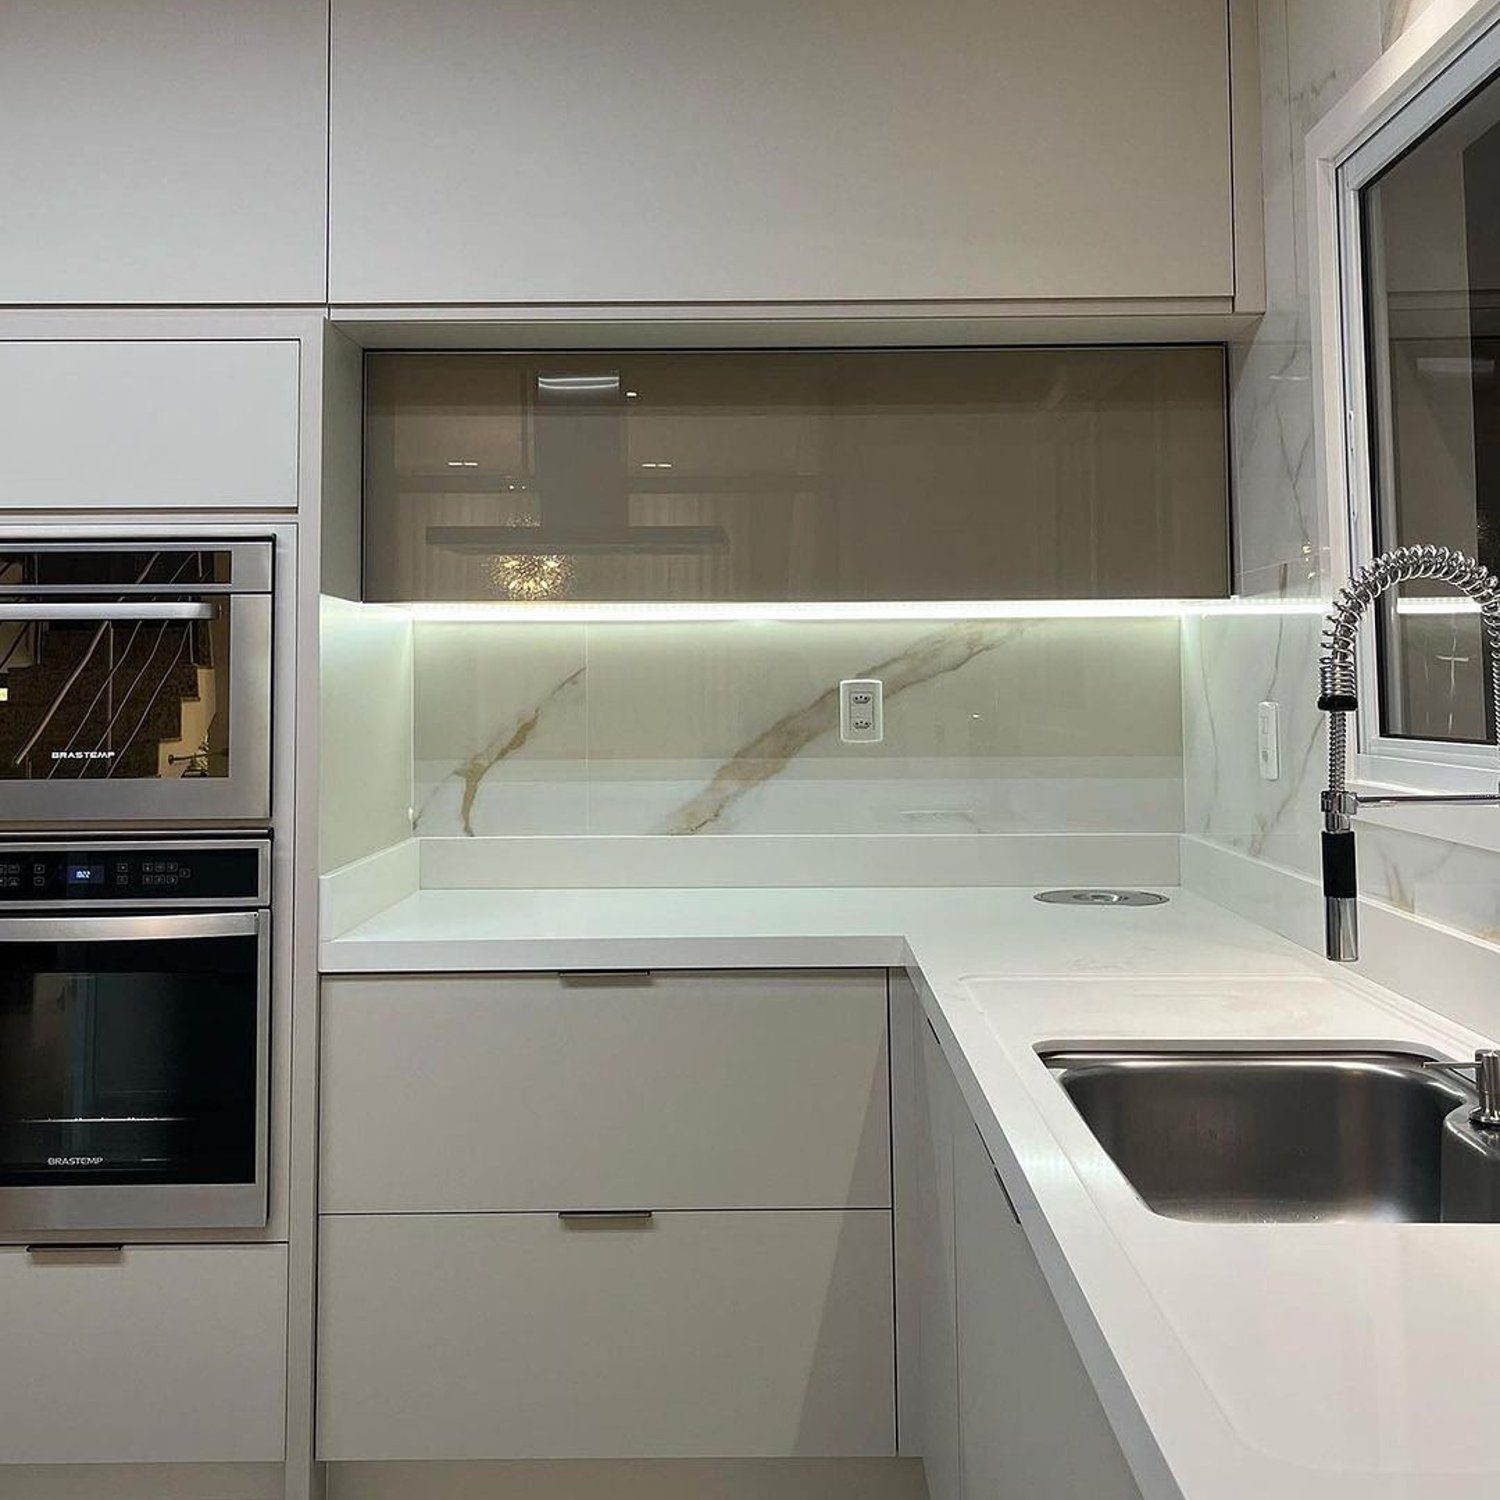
15, 614
141, 928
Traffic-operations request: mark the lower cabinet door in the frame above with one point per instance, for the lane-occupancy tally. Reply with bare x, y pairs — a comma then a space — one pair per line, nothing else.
157, 1354
1030, 1422
531, 1336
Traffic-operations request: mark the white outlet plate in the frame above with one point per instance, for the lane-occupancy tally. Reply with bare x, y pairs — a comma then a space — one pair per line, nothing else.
1268, 740
861, 710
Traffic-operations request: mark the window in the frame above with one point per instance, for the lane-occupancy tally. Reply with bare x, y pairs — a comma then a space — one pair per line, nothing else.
1421, 207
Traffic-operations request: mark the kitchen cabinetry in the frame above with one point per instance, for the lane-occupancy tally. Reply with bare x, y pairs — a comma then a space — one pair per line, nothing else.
151, 424
1028, 1420
937, 1293
686, 1335
156, 1354
681, 1090
839, 151
620, 1217
162, 152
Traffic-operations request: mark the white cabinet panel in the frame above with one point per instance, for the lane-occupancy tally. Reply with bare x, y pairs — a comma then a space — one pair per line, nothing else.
149, 424
158, 1354
938, 1104
163, 151
819, 150
681, 1090
690, 1335
1029, 1419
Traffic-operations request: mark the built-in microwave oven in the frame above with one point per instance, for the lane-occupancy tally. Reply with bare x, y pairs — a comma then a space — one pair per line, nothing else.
135, 1004
135, 683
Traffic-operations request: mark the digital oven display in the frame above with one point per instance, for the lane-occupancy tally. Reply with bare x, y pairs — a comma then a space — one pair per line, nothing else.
76, 875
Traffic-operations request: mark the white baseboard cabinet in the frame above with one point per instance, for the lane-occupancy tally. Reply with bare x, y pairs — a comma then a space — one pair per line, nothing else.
636, 1217
1009, 1409
155, 1354
632, 1479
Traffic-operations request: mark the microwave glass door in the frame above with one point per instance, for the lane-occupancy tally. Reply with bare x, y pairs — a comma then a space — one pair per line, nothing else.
129, 1063
134, 686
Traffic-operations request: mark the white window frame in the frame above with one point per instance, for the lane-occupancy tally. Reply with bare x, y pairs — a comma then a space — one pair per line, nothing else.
1446, 54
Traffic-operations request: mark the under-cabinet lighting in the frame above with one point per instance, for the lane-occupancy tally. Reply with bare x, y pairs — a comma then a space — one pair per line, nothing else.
1438, 606
627, 612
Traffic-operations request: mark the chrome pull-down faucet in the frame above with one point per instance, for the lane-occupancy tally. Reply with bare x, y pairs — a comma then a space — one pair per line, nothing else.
1337, 696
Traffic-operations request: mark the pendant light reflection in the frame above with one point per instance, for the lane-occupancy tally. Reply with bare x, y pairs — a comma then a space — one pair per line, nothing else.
531, 577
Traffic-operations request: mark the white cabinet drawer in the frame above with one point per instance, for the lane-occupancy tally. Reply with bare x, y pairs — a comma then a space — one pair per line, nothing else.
163, 424
157, 1354
517, 1092
689, 1335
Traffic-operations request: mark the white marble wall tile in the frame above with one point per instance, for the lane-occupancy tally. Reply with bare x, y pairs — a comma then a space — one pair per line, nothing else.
1448, 883
1230, 666
500, 728
1311, 51
732, 727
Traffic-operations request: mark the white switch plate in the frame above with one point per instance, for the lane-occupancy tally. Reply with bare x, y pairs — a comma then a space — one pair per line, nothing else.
1268, 740
861, 710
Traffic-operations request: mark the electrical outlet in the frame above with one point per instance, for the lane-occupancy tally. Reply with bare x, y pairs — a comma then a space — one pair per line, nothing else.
861, 710
1268, 740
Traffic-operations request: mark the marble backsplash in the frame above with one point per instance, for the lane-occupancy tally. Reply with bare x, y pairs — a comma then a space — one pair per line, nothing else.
1311, 52
732, 728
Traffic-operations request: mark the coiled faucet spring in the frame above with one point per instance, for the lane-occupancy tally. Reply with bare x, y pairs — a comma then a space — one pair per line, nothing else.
1338, 696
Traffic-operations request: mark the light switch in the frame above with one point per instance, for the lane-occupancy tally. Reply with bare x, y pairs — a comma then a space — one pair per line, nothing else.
1268, 741
861, 710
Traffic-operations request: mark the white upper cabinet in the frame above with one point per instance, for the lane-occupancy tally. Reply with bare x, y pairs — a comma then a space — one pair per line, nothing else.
852, 151
150, 424
163, 151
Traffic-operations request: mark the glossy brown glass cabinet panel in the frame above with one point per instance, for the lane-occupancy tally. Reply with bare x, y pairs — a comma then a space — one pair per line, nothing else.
797, 476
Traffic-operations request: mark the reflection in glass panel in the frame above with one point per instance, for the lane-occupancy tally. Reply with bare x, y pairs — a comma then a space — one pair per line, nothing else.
816, 475
1432, 272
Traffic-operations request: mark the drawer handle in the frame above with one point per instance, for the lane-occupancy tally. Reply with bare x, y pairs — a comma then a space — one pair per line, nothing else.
76, 1252
623, 1218
603, 976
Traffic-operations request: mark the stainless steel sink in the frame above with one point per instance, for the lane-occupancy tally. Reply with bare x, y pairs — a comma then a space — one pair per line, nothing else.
1288, 1137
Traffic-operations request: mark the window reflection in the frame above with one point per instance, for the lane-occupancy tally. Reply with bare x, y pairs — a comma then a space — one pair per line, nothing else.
1432, 273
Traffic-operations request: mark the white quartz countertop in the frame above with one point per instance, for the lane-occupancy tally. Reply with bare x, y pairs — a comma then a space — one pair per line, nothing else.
1237, 1362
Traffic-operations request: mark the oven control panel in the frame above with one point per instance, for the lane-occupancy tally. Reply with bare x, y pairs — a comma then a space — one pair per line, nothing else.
190, 873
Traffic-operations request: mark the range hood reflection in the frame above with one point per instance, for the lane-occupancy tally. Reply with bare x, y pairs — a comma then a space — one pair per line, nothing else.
547, 540
580, 485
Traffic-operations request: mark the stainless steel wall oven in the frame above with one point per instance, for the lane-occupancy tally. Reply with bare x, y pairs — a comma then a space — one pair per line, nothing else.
134, 1034
135, 683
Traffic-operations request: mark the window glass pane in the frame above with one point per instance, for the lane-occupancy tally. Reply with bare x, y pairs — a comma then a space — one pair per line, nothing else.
1432, 272
810, 475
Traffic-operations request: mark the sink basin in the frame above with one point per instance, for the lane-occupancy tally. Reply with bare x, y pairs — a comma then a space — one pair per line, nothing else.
1279, 1137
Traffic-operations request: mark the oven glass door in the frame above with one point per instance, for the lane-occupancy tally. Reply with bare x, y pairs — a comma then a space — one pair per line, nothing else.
132, 1066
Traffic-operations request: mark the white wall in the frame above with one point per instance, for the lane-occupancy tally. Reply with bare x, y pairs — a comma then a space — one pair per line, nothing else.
365, 760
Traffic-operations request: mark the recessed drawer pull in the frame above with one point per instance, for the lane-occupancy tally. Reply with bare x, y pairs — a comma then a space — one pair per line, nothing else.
79, 1251
603, 976
582, 1218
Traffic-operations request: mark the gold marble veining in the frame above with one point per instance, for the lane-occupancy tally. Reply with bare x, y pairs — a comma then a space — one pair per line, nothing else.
933, 656
505, 744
